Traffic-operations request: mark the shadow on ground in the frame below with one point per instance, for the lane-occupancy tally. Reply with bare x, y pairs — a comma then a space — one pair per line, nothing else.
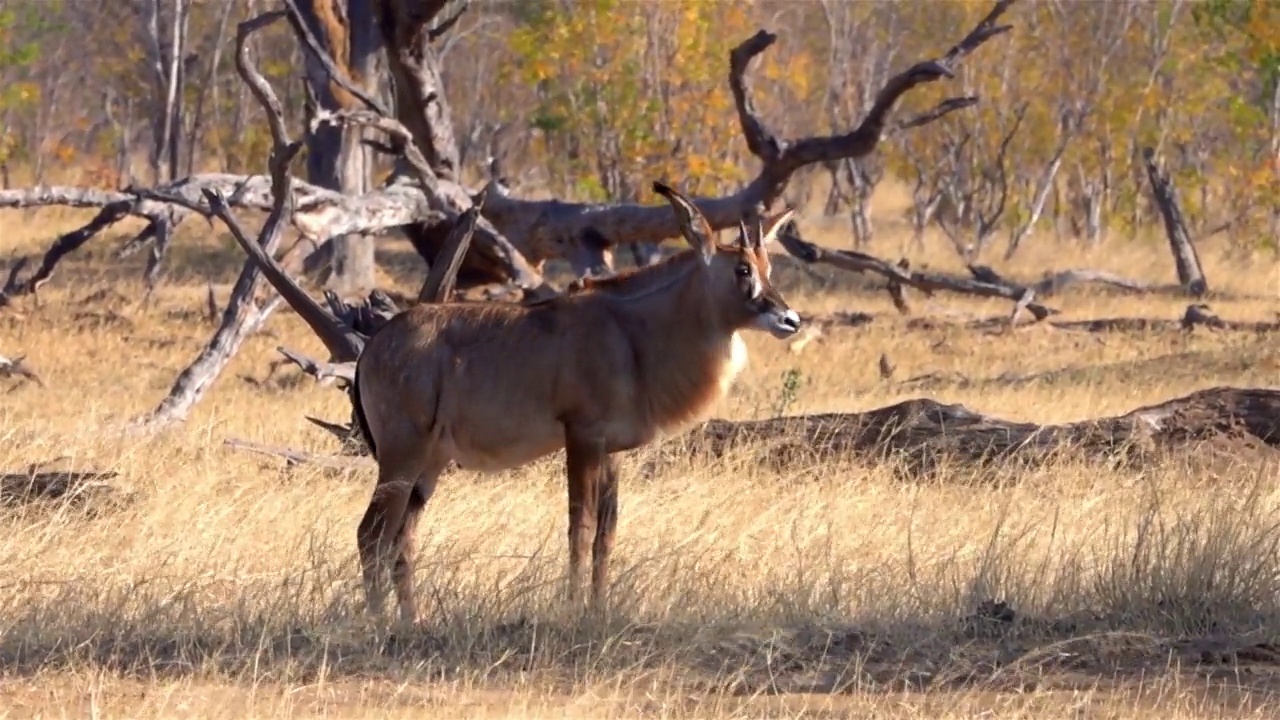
992, 649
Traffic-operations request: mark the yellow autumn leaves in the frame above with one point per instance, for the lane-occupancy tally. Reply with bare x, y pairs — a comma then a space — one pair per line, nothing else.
628, 92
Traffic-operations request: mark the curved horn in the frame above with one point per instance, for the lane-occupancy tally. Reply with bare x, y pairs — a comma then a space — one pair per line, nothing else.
771, 227
694, 227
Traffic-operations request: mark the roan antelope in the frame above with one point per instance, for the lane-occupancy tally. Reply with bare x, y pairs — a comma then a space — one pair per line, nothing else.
597, 372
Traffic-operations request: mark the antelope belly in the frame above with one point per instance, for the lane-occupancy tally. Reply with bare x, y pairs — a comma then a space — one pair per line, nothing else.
504, 445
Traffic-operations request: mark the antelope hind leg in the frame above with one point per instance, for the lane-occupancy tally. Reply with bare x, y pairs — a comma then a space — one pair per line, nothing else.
378, 531
406, 550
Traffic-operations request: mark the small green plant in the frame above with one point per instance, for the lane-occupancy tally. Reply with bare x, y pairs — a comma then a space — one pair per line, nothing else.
790, 391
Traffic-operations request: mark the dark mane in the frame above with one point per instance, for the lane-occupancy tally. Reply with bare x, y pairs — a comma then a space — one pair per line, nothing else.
628, 282
634, 279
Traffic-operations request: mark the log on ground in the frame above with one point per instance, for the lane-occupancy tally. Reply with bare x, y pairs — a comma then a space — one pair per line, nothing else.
86, 490
921, 436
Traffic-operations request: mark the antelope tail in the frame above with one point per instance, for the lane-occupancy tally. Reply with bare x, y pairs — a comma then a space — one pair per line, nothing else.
358, 417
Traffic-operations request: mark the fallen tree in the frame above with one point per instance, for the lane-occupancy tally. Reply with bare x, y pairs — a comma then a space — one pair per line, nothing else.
78, 488
923, 435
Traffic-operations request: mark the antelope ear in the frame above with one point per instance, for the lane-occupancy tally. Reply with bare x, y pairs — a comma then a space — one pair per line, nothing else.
694, 227
772, 226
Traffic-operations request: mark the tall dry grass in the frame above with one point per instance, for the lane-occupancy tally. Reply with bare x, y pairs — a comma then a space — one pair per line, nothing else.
214, 583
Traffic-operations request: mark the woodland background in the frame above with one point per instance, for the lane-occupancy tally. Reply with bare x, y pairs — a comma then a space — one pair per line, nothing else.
592, 99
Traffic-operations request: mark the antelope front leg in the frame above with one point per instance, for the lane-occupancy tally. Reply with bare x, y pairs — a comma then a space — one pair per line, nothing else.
583, 463
606, 525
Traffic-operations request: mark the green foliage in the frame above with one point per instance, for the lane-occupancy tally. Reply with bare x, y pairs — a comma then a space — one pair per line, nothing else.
1198, 83
15, 54
1252, 26
789, 393
628, 92
1247, 47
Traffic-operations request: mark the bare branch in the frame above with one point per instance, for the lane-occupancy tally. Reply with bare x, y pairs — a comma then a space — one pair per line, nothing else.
16, 367
298, 457
1057, 281
69, 243
443, 275
12, 285
341, 341
937, 112
444, 16
319, 214
787, 156
322, 371
900, 274
243, 314
1023, 303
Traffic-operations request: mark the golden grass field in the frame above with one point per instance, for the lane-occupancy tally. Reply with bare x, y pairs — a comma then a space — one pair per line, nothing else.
227, 586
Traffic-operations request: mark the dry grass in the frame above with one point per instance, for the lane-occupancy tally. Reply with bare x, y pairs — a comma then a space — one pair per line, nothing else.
225, 586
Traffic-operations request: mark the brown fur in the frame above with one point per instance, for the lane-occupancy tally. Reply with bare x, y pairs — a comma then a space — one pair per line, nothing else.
602, 371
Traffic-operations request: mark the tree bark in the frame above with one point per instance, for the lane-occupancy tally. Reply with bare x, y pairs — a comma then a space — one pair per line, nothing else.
1186, 260
336, 156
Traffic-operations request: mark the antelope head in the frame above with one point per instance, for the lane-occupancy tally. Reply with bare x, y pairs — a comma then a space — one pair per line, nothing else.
737, 275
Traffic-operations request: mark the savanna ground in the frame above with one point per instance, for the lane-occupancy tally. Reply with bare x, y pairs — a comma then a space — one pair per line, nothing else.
226, 586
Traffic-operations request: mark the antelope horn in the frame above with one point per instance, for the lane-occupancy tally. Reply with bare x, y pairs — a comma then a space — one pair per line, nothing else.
694, 227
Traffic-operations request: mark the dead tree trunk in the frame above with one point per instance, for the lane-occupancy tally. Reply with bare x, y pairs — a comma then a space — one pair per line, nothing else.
1190, 274
245, 314
165, 37
336, 156
408, 31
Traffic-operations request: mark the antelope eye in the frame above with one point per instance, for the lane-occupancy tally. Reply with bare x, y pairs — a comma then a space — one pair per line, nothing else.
742, 270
